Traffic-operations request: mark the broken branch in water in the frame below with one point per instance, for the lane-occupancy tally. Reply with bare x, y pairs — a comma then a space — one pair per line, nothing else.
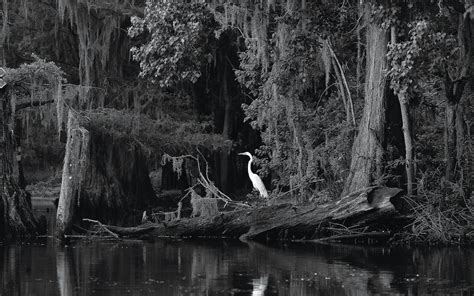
118, 231
345, 237
102, 227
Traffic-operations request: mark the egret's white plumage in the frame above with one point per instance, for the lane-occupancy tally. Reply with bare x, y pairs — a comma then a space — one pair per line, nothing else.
256, 181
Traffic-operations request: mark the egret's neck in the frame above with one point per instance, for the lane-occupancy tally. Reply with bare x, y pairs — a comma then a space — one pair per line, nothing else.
250, 165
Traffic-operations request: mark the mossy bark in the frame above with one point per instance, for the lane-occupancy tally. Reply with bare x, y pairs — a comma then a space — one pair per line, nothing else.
367, 151
455, 137
15, 204
71, 179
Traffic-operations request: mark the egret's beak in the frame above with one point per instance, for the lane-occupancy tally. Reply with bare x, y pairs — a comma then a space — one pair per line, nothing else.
241, 153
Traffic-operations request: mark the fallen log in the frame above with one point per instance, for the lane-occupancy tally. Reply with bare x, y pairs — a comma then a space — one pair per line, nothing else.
367, 214
368, 210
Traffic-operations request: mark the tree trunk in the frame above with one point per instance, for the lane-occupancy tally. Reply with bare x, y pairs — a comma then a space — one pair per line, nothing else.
104, 178
227, 127
15, 204
367, 150
76, 146
454, 87
5, 33
406, 125
454, 142
360, 13
408, 144
226, 130
18, 167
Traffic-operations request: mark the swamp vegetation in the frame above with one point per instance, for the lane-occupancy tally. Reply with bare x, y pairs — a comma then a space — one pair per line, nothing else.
358, 115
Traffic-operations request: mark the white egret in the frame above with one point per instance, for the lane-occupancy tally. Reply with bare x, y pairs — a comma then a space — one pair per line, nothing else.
256, 181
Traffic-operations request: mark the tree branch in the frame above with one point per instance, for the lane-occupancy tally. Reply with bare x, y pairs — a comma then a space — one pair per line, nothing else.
32, 104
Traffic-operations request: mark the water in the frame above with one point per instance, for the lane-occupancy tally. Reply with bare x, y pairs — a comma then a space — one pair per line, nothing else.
183, 267
217, 267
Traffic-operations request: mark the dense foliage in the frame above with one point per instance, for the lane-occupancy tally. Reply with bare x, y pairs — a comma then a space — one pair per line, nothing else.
297, 64
296, 106
180, 35
293, 70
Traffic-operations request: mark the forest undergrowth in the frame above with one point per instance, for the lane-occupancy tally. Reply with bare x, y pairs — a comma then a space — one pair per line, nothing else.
441, 213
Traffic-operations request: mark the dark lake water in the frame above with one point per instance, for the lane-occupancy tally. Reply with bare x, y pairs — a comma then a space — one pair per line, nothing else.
174, 267
216, 267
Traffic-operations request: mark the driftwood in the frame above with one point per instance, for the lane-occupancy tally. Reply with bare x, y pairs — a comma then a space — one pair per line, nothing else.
366, 214
117, 231
102, 227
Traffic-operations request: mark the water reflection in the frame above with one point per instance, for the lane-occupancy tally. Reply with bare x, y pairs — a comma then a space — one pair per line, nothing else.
65, 271
260, 286
170, 267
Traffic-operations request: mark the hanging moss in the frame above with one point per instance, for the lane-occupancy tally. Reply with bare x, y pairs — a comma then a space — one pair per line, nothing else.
37, 84
177, 164
5, 30
97, 24
281, 66
163, 134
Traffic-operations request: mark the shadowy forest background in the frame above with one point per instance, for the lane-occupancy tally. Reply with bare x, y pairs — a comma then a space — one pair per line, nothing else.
330, 97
